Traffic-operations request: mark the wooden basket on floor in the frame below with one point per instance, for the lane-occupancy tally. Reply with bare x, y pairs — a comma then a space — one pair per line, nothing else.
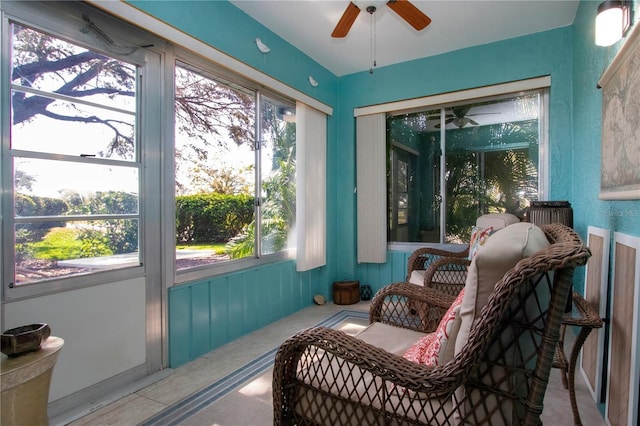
346, 292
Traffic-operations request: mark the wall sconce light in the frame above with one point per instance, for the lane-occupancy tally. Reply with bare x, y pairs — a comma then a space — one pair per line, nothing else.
262, 47
613, 20
313, 82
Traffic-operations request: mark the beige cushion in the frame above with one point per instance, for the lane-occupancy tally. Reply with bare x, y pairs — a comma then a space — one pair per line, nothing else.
500, 253
496, 220
417, 277
444, 277
392, 339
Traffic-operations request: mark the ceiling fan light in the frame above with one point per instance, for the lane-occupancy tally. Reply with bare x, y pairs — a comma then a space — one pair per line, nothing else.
611, 22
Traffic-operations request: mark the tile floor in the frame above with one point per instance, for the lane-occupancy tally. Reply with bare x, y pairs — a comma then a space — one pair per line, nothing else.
136, 407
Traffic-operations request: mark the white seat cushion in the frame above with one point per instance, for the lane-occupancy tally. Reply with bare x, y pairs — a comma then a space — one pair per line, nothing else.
417, 277
498, 255
496, 220
501, 252
444, 277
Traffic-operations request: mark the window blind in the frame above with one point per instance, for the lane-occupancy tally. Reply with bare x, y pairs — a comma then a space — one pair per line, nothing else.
371, 188
311, 183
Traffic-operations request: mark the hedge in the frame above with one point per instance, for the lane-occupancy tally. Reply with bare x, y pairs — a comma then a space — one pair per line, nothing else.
211, 218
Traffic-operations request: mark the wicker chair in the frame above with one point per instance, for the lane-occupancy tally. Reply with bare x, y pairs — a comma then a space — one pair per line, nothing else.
499, 376
446, 270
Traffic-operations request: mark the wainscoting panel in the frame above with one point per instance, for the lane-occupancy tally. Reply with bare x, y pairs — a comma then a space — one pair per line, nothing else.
206, 314
624, 356
595, 292
377, 275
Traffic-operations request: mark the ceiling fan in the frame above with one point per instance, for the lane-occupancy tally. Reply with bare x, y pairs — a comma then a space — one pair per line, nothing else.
459, 116
404, 8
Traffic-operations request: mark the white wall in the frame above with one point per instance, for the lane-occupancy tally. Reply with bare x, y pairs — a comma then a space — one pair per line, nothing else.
103, 328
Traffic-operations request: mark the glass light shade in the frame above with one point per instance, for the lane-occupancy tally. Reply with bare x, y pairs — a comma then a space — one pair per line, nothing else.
609, 26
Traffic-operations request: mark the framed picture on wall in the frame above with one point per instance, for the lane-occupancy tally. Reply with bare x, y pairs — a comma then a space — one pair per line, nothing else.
624, 348
596, 282
620, 83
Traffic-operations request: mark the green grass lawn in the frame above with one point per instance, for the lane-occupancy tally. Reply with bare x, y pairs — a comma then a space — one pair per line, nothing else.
217, 248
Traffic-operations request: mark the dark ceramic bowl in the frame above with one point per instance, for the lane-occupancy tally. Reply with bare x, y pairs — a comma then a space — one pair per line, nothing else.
28, 338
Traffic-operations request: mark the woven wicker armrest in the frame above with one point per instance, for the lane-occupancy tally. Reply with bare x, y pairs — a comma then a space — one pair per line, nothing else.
400, 304
447, 274
361, 374
423, 257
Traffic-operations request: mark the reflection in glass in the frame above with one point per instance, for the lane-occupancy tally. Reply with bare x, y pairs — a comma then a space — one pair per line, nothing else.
491, 165
278, 175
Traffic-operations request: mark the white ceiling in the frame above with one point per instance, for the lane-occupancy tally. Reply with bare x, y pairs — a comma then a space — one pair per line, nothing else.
456, 24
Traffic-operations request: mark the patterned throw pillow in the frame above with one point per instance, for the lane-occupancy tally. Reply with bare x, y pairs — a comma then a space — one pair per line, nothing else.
478, 238
428, 348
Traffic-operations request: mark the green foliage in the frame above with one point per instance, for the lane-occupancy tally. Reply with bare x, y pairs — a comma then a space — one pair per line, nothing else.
209, 218
25, 206
279, 205
94, 243
71, 243
58, 244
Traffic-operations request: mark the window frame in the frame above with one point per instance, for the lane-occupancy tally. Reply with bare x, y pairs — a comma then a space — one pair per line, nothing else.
542, 83
213, 70
157, 217
61, 22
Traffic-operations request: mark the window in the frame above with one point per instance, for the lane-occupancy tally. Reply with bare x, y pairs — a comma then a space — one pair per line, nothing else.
450, 164
235, 193
74, 153
100, 161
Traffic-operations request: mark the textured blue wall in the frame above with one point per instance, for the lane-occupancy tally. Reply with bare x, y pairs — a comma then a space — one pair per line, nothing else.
590, 62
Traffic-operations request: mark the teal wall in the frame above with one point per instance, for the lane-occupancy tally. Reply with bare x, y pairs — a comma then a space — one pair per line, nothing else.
590, 62
209, 313
546, 53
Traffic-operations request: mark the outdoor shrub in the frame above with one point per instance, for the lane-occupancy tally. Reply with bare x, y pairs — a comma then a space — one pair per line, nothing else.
211, 218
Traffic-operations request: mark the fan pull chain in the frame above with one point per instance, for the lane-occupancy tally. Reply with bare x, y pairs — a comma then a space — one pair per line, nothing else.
372, 34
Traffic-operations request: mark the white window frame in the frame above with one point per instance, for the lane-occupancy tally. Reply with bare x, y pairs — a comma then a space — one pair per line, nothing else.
156, 145
214, 71
61, 21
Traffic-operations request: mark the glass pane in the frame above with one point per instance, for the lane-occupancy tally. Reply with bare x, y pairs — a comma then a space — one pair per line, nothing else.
492, 150
43, 62
278, 175
492, 161
73, 129
50, 188
51, 250
414, 149
214, 170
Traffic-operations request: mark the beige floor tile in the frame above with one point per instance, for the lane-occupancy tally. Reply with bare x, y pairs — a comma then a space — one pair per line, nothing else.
130, 410
214, 365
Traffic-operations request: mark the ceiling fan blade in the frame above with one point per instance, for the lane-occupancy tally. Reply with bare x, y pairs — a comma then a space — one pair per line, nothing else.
407, 11
346, 21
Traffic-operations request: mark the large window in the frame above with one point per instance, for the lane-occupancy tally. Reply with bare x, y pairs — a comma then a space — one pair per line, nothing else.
75, 159
449, 164
235, 193
112, 136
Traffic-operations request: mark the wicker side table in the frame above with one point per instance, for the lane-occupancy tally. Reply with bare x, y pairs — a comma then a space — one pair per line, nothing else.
585, 317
